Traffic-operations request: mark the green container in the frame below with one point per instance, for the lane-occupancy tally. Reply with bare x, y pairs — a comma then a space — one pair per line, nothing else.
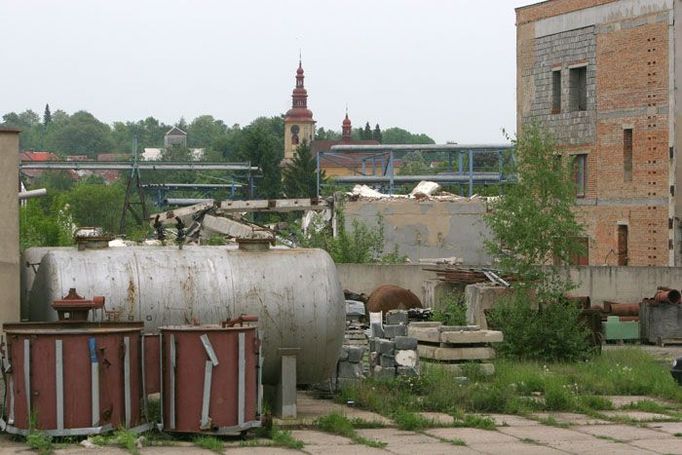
614, 329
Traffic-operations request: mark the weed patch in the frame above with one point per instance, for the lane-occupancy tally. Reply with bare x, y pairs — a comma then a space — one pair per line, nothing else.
336, 423
284, 438
40, 442
209, 443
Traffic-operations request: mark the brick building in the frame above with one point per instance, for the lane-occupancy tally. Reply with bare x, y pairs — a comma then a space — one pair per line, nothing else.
600, 74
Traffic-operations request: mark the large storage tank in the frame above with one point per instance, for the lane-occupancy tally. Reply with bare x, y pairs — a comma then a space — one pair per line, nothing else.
295, 293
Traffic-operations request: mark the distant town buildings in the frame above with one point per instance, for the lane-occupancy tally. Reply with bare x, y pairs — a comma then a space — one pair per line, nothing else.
602, 76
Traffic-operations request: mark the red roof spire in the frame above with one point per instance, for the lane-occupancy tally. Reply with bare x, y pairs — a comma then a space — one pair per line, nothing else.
299, 103
346, 129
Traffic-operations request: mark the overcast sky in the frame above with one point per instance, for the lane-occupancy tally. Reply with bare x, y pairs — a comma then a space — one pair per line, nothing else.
442, 67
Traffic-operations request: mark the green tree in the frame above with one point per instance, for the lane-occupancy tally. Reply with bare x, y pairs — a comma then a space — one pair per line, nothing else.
31, 136
322, 134
81, 134
400, 136
47, 115
367, 132
300, 175
204, 130
260, 147
533, 229
39, 227
413, 163
96, 205
376, 134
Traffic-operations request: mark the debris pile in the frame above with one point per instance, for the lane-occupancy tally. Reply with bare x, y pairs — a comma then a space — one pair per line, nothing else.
455, 274
455, 346
425, 190
391, 352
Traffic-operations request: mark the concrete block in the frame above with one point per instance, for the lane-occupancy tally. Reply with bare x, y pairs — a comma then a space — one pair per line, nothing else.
480, 297
457, 369
395, 317
372, 343
387, 361
453, 354
402, 342
392, 331
480, 336
407, 371
429, 334
344, 354
350, 370
376, 330
406, 358
425, 324
355, 353
385, 346
383, 373
459, 328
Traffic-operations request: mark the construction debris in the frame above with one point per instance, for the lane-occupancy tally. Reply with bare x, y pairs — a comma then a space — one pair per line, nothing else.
469, 275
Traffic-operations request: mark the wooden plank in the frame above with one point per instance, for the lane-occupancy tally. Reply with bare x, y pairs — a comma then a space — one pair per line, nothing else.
429, 334
453, 354
469, 337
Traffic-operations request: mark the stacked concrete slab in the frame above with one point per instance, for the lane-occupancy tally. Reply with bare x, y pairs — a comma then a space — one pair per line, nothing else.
350, 367
391, 352
454, 346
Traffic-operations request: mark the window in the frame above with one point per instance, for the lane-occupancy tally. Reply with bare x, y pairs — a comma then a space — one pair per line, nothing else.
577, 79
622, 245
580, 174
581, 257
627, 155
556, 91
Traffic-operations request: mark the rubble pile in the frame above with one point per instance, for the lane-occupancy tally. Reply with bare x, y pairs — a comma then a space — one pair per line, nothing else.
391, 352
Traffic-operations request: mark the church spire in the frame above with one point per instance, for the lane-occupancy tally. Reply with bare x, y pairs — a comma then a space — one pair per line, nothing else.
346, 129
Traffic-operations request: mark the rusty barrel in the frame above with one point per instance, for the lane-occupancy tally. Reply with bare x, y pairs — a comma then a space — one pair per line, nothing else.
667, 296
210, 379
73, 378
624, 309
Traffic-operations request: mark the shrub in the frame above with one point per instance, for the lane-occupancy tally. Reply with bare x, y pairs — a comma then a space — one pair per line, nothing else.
552, 333
452, 310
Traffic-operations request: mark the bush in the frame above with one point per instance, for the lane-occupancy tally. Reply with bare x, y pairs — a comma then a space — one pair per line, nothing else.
552, 333
452, 310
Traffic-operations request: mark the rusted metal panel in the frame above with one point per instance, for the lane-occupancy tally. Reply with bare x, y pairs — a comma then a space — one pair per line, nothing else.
200, 395
51, 381
295, 293
152, 365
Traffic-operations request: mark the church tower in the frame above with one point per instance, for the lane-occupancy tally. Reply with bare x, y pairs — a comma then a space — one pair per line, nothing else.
299, 125
346, 130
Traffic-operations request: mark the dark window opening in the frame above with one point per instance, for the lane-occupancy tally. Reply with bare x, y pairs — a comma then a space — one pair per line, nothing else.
627, 155
577, 79
556, 91
580, 174
622, 245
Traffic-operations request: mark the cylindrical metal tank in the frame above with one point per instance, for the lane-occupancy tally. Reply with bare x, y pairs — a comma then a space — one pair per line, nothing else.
30, 260
210, 380
295, 293
73, 378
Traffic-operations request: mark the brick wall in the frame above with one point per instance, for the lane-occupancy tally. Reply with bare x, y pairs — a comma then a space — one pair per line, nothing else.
551, 8
627, 83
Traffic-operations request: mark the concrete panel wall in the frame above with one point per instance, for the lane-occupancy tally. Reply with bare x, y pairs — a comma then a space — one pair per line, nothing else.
9, 225
427, 229
620, 284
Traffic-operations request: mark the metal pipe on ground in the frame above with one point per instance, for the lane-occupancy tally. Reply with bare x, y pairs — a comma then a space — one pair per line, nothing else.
668, 296
624, 309
32, 193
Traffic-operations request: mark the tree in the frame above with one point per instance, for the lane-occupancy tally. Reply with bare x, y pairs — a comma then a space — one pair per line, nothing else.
30, 125
367, 132
400, 136
376, 134
204, 131
47, 115
259, 146
534, 228
81, 134
300, 175
96, 205
413, 163
326, 135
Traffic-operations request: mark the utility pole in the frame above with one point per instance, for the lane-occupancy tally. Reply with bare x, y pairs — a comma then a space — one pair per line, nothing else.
134, 184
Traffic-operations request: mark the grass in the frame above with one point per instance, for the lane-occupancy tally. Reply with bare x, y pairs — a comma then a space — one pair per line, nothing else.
552, 422
457, 442
475, 421
336, 423
40, 442
209, 443
126, 439
284, 438
646, 406
521, 388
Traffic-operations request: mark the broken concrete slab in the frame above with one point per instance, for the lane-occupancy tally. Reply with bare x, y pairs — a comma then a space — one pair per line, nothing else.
429, 334
403, 343
394, 330
454, 354
406, 358
233, 228
471, 337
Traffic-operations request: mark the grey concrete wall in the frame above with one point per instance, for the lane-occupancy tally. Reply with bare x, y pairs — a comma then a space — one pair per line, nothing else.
9, 225
620, 284
427, 229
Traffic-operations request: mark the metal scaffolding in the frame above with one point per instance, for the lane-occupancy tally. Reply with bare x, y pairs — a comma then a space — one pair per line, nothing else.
377, 165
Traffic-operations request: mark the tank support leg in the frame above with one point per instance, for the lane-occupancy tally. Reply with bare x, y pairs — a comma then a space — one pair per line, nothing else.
286, 389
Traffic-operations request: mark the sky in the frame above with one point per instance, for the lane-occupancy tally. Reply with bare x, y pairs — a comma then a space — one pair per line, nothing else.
441, 67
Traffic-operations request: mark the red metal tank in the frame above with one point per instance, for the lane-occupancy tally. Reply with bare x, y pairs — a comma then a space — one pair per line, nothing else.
210, 378
73, 378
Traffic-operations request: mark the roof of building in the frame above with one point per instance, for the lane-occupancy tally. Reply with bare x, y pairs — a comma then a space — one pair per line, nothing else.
175, 131
38, 156
113, 157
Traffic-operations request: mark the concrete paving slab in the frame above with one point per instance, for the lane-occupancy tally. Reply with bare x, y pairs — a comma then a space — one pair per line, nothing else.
624, 400
639, 416
621, 432
78, 450
515, 448
668, 427
311, 408
570, 418
160, 450
667, 446
352, 449
438, 418
511, 420
544, 434
471, 435
394, 437
432, 448
598, 447
311, 437
259, 451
